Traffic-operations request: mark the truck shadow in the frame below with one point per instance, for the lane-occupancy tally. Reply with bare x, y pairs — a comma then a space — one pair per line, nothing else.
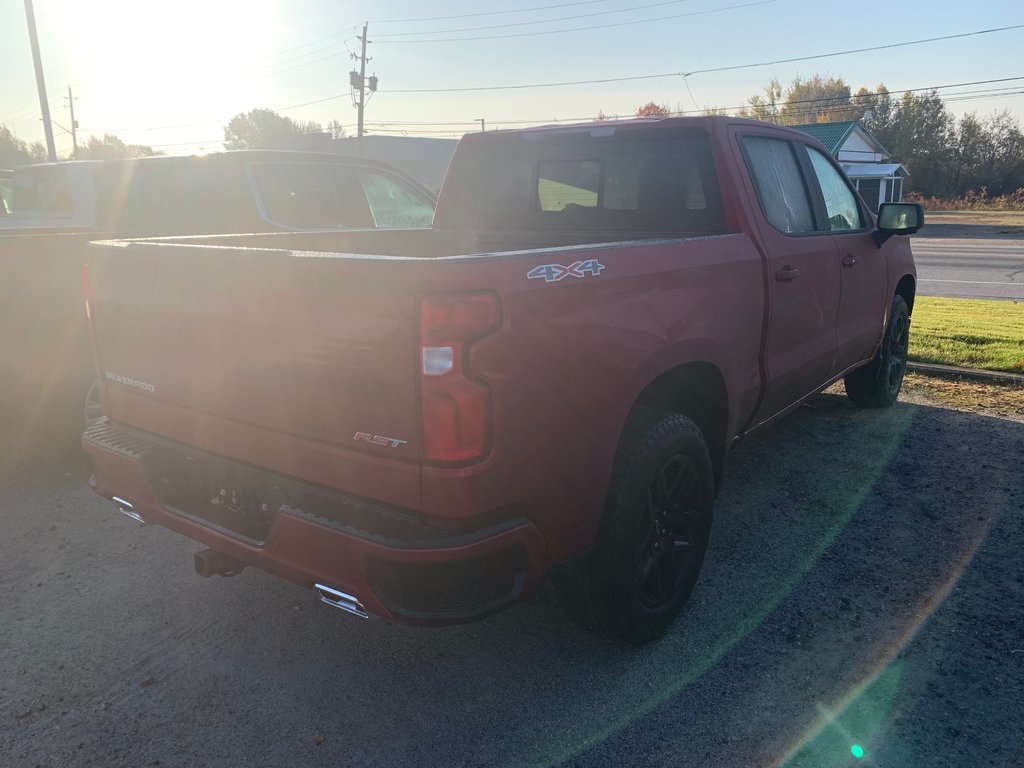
839, 533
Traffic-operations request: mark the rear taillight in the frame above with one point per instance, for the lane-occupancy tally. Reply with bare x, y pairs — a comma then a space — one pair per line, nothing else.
456, 407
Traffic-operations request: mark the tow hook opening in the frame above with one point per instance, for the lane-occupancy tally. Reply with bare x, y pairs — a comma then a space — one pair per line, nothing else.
209, 562
341, 601
127, 509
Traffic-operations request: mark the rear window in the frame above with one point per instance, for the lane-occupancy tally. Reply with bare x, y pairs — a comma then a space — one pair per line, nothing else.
576, 181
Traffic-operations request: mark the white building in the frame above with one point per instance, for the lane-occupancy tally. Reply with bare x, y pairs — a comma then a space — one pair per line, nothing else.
863, 159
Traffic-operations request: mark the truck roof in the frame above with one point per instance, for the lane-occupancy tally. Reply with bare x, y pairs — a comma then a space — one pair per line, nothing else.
236, 156
707, 123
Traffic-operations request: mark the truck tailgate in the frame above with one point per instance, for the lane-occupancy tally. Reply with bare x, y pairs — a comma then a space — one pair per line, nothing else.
302, 364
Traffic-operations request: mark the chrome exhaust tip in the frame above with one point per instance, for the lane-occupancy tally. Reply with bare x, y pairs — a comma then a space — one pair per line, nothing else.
340, 600
126, 508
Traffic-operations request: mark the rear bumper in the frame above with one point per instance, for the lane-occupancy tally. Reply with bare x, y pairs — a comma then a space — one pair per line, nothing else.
396, 565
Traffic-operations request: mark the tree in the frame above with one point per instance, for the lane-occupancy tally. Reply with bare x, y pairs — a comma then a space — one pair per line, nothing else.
946, 157
650, 109
815, 100
14, 151
765, 107
110, 147
336, 129
818, 100
265, 129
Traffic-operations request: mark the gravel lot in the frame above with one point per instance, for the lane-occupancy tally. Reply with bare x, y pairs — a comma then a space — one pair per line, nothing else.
863, 587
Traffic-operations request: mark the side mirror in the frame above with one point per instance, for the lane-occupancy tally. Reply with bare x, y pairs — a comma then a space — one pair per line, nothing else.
898, 219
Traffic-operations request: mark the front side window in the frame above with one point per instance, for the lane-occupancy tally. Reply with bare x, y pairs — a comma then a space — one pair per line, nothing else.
779, 184
393, 203
840, 204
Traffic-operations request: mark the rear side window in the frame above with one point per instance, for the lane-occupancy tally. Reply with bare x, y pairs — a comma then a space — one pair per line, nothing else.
311, 195
779, 184
394, 203
840, 203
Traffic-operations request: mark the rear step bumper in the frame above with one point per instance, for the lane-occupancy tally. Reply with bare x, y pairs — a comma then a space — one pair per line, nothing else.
406, 572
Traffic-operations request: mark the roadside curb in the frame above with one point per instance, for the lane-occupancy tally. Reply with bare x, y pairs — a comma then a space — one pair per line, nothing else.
973, 374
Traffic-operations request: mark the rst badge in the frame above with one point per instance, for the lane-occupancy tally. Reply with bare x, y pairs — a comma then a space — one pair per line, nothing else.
552, 273
390, 442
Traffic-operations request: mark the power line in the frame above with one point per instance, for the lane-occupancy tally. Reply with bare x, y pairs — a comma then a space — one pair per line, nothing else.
536, 21
580, 29
519, 122
347, 31
487, 13
981, 96
14, 112
961, 96
852, 50
210, 122
703, 71
334, 55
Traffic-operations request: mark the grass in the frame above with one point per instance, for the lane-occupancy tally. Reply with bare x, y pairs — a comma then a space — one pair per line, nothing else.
968, 332
975, 200
986, 218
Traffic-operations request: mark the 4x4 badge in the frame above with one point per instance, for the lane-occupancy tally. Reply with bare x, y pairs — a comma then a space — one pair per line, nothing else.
552, 273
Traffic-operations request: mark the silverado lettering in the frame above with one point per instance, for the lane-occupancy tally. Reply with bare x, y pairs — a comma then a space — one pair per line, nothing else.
129, 382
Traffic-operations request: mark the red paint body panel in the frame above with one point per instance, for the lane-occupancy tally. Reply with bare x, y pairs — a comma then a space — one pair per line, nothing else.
275, 357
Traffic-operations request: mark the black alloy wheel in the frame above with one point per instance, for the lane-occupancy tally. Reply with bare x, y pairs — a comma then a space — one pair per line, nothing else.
672, 530
655, 528
878, 384
897, 362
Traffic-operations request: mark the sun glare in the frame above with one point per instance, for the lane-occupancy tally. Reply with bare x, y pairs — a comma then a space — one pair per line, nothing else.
158, 63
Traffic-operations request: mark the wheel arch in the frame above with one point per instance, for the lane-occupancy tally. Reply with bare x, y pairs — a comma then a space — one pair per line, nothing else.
696, 390
907, 288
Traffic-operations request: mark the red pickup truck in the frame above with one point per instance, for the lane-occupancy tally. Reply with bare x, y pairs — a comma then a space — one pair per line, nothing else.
423, 424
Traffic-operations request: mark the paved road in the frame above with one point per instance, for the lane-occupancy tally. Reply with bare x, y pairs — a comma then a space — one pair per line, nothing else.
976, 268
864, 586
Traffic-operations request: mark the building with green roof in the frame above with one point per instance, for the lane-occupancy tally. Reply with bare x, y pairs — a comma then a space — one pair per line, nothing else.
863, 158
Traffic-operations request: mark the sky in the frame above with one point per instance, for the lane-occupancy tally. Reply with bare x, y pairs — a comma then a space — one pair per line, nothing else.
171, 74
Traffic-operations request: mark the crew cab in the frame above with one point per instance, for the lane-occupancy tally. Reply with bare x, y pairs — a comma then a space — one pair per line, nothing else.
46, 367
424, 424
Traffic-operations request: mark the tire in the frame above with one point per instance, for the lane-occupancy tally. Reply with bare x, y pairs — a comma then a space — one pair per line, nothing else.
654, 533
877, 385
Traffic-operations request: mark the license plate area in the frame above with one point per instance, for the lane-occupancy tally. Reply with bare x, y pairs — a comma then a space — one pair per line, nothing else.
230, 496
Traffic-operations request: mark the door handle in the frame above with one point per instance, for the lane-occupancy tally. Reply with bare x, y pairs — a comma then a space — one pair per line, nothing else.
786, 274
848, 260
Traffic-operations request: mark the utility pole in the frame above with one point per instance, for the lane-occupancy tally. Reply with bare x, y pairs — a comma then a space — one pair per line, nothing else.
74, 125
44, 105
362, 82
481, 121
